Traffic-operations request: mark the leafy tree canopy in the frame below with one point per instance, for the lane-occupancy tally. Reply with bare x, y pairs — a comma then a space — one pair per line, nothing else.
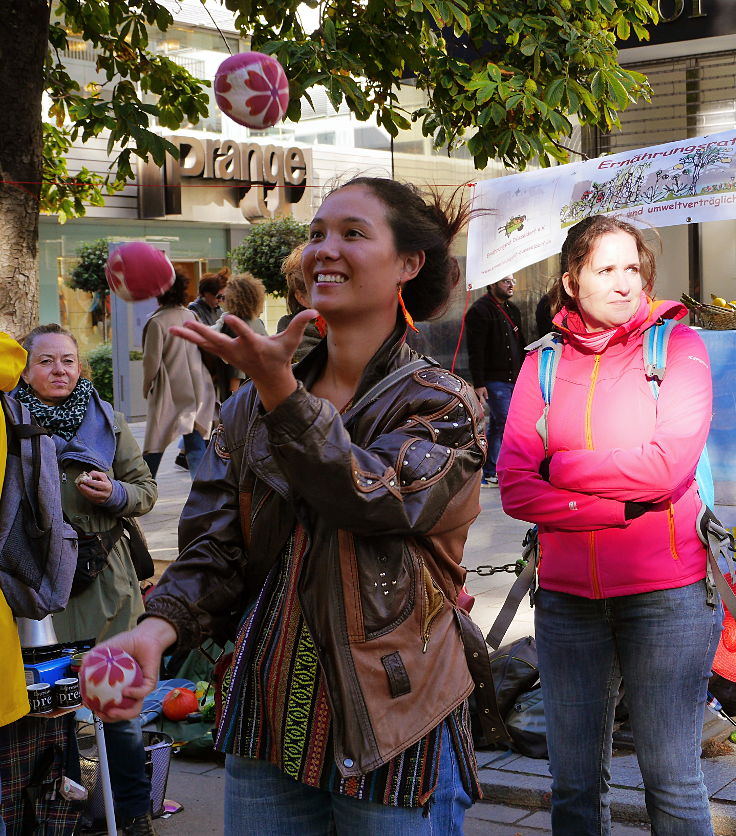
89, 273
504, 76
266, 247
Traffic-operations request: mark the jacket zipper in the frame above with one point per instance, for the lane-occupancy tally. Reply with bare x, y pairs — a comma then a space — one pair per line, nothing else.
671, 526
592, 556
431, 608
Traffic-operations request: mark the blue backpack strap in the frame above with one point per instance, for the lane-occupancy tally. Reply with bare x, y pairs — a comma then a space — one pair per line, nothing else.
655, 345
550, 351
656, 340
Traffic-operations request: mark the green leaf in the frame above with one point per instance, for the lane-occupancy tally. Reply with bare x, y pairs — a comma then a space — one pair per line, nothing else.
554, 92
618, 91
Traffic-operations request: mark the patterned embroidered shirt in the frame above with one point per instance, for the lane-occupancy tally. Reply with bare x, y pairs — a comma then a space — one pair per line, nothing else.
277, 710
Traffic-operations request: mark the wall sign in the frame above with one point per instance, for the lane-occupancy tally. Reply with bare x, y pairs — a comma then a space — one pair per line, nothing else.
266, 179
687, 20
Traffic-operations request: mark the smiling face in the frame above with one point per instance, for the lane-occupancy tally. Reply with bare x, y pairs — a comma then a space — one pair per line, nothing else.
609, 283
53, 368
350, 263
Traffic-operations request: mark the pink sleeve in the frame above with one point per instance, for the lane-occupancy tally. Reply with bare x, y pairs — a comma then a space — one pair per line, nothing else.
524, 494
653, 471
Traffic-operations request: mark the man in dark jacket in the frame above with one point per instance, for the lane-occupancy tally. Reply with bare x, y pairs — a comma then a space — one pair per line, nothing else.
495, 352
206, 307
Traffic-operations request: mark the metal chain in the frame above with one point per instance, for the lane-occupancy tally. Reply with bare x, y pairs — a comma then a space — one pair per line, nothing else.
514, 568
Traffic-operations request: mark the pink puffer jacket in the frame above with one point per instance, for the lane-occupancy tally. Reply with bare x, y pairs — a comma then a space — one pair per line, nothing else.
612, 442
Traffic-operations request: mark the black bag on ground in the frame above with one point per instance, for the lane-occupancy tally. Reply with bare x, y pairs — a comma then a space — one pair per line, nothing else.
514, 668
526, 724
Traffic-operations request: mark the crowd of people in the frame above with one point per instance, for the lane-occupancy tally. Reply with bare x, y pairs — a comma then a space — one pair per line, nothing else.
335, 475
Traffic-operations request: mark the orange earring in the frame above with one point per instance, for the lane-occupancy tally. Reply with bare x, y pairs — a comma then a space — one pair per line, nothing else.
407, 316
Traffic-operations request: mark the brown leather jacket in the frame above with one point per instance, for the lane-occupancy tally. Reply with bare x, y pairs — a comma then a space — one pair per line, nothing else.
386, 502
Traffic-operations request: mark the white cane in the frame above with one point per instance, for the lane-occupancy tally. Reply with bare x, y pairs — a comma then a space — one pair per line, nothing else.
105, 777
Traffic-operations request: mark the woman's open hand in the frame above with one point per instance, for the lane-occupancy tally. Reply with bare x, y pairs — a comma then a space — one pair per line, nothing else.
266, 360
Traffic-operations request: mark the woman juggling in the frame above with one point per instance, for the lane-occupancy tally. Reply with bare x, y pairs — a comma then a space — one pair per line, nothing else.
622, 590
329, 526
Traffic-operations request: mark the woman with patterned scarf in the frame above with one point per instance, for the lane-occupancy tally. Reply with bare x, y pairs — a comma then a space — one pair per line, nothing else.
103, 478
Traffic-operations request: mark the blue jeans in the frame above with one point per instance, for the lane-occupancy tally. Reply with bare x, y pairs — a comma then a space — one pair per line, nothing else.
499, 398
194, 447
261, 801
131, 786
662, 643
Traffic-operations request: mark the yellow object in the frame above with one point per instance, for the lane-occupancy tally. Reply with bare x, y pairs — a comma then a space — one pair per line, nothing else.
717, 300
13, 696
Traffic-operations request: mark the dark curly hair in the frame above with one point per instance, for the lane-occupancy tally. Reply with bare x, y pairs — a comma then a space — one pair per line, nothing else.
176, 294
428, 224
578, 248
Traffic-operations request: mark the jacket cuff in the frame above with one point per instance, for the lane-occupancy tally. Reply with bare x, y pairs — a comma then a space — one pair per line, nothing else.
118, 499
293, 417
180, 618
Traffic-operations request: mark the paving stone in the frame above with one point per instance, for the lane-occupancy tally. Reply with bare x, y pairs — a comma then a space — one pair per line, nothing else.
496, 812
540, 819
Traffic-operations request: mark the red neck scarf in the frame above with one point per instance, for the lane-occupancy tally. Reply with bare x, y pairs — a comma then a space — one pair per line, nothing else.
572, 324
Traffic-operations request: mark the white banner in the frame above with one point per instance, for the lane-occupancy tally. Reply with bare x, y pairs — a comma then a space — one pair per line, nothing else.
526, 216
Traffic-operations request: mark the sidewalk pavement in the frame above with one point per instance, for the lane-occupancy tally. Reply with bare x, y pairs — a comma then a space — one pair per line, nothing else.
516, 788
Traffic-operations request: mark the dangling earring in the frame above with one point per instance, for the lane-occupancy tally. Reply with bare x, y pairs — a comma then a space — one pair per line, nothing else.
407, 316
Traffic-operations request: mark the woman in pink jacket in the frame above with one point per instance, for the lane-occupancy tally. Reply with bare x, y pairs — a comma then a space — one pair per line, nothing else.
622, 575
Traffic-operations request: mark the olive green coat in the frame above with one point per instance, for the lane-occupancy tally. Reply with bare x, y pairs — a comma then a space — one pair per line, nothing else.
112, 603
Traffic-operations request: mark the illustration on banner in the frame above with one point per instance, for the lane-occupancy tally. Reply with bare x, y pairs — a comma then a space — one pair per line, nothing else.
512, 225
638, 184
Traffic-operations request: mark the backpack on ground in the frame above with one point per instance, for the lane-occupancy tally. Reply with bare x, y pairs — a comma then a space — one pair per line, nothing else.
38, 549
519, 724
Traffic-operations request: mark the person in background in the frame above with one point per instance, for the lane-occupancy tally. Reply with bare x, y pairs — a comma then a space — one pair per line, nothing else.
331, 527
23, 740
495, 344
244, 298
543, 315
297, 299
622, 591
103, 478
178, 388
207, 306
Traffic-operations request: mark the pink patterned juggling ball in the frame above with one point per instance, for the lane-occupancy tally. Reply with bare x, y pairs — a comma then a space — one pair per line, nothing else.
252, 89
104, 673
138, 270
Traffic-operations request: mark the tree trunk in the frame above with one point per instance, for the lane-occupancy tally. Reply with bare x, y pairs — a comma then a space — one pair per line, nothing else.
23, 46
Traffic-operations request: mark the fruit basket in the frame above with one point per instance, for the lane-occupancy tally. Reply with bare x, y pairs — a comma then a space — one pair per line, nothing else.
712, 317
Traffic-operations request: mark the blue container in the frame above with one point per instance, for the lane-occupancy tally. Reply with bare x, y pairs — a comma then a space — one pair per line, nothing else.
48, 671
721, 347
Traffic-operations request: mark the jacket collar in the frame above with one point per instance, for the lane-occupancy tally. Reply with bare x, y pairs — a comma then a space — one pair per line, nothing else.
94, 442
649, 312
393, 353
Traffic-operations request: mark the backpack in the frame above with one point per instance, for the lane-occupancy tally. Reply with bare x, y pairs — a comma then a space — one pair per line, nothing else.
38, 549
717, 539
